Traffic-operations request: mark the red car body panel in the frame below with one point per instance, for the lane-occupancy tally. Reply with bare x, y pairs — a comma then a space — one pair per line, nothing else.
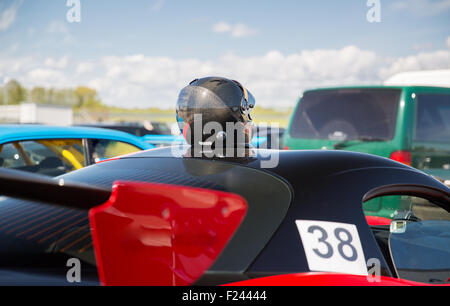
325, 279
374, 221
160, 235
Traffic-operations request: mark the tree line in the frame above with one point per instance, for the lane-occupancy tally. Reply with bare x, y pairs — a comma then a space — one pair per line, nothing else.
82, 97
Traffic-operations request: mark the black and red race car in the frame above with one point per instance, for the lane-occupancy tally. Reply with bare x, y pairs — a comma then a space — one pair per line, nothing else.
161, 218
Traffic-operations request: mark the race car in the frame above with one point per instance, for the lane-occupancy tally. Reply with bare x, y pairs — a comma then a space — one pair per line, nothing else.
160, 217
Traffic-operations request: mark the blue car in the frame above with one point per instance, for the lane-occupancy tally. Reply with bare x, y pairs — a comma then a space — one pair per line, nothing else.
155, 133
54, 151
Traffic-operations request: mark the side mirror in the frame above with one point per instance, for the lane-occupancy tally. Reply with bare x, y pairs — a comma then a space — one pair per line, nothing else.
401, 220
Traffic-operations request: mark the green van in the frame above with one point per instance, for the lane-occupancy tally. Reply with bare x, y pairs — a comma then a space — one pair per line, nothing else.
409, 124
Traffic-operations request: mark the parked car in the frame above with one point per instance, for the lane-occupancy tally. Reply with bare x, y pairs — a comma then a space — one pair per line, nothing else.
136, 128
156, 133
266, 137
408, 124
54, 151
159, 134
162, 218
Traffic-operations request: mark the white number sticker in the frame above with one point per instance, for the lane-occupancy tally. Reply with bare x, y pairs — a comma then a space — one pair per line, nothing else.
332, 247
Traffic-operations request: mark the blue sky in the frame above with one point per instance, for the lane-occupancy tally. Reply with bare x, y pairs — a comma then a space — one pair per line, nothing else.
214, 32
185, 28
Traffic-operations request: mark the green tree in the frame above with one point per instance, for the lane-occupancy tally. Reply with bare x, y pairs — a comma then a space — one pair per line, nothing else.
13, 93
66, 97
38, 95
87, 98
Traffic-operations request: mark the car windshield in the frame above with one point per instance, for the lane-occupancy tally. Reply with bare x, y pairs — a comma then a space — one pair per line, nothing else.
341, 115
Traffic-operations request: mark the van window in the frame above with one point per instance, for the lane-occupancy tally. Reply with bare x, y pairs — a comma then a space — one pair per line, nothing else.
347, 114
433, 118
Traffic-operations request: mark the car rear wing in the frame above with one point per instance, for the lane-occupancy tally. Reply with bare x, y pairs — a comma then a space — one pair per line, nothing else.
143, 234
39, 188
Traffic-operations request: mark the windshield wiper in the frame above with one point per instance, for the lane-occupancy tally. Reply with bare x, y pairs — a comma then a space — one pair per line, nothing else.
347, 143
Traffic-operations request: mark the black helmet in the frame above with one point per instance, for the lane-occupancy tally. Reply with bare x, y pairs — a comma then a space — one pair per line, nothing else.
218, 100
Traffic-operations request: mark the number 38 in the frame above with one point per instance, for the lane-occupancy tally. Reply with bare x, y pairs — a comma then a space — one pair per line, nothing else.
342, 235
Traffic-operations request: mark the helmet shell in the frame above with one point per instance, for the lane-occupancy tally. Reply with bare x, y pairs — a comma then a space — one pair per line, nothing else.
213, 99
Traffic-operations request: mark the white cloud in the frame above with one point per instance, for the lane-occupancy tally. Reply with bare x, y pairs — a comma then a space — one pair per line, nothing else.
276, 79
237, 30
422, 61
84, 68
57, 63
422, 7
8, 16
448, 42
47, 77
221, 27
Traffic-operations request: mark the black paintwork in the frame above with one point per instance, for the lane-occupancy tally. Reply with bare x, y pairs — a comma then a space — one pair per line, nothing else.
30, 186
306, 185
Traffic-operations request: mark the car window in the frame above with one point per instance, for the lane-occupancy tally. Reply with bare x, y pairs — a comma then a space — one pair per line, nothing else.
10, 156
48, 157
347, 114
418, 240
433, 118
104, 149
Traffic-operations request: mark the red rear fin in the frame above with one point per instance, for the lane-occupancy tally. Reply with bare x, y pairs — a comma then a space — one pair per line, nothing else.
160, 235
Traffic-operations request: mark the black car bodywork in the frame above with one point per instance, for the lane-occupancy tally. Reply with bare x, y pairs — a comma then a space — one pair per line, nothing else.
37, 238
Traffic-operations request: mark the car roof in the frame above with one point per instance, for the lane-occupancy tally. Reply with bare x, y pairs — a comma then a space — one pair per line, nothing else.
16, 132
428, 88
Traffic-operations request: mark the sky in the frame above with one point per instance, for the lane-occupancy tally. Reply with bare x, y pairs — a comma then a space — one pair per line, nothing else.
141, 53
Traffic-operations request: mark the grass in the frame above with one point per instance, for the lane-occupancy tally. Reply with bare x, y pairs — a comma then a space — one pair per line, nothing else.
114, 114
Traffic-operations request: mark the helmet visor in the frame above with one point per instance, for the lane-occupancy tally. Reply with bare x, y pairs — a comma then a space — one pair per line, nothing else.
199, 100
250, 99
195, 97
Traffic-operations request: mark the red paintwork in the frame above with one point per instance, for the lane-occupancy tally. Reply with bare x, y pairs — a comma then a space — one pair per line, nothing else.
324, 279
107, 160
373, 221
403, 157
124, 156
185, 131
159, 235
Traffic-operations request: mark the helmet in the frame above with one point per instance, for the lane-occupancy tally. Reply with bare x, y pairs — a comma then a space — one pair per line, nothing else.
217, 101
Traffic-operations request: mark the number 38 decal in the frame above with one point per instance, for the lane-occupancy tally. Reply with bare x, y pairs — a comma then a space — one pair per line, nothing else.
332, 247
